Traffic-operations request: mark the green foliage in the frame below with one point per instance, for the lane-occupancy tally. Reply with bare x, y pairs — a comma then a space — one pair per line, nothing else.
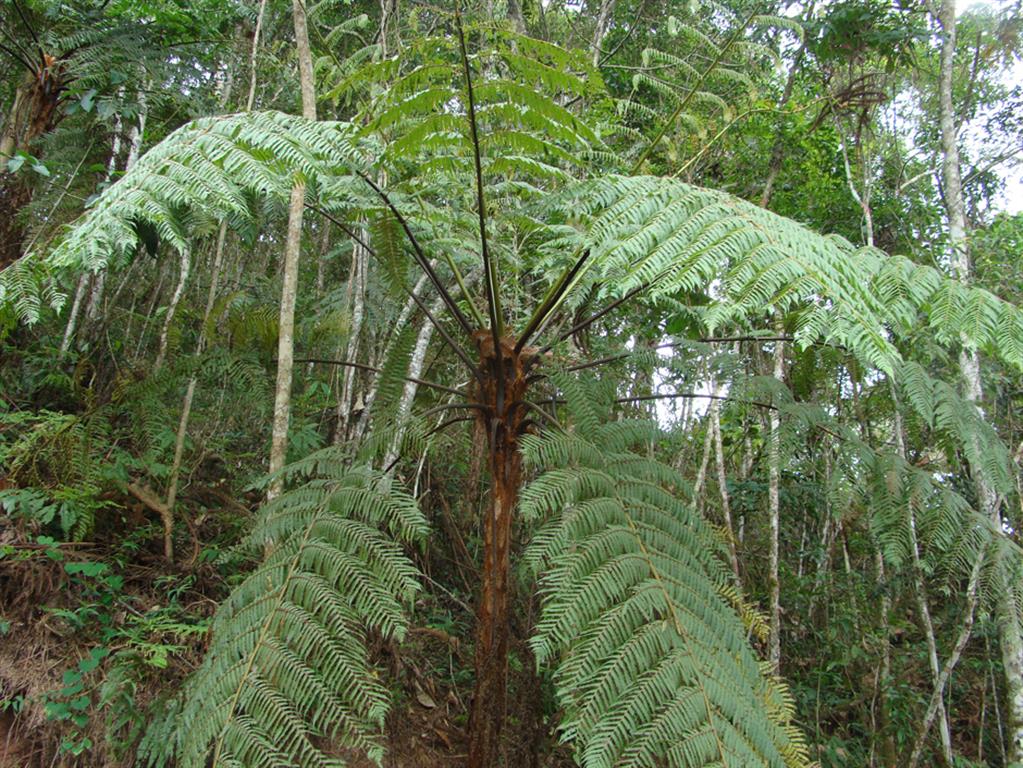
670, 238
651, 660
288, 663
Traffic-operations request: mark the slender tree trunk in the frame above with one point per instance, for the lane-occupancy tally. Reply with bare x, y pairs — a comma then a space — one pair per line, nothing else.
600, 31
371, 395
726, 506
76, 308
186, 405
408, 393
138, 132
778, 148
889, 755
251, 100
502, 422
94, 307
920, 593
774, 509
172, 308
935, 703
1010, 637
862, 198
357, 304
292, 249
516, 17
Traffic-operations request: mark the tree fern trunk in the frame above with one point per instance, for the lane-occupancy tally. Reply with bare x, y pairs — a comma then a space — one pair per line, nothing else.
502, 420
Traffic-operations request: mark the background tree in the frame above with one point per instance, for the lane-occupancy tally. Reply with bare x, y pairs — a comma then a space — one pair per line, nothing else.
870, 456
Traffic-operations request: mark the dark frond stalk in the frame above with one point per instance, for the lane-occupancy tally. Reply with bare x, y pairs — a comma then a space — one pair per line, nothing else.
420, 256
489, 267
550, 303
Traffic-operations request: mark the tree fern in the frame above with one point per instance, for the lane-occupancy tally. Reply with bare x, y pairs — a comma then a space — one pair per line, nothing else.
651, 660
287, 680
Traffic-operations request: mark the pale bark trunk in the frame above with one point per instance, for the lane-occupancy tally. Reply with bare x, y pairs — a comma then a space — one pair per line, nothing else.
778, 148
603, 23
1009, 626
701, 474
371, 395
862, 198
172, 308
95, 304
935, 703
516, 17
927, 624
726, 506
251, 100
888, 752
408, 393
186, 405
774, 479
357, 304
292, 249
138, 132
72, 320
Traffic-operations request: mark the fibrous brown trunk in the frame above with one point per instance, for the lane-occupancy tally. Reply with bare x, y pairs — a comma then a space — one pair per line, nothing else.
501, 393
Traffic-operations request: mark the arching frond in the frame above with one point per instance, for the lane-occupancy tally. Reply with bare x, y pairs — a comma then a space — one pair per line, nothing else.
674, 238
639, 618
287, 679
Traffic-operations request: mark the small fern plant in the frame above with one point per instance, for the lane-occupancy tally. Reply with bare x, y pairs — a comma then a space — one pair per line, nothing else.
287, 679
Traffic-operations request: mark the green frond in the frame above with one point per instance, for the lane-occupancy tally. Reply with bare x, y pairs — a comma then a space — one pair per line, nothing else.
287, 678
209, 169
672, 237
646, 633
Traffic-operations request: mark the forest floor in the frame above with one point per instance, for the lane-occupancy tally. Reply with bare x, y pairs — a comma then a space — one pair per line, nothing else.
55, 615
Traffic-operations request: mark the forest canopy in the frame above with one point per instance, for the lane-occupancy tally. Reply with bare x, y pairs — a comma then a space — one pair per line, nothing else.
616, 384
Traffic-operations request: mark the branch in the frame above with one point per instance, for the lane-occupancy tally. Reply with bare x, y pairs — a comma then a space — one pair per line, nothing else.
372, 369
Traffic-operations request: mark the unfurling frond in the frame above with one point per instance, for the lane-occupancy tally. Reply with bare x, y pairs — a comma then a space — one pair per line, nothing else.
639, 619
287, 679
